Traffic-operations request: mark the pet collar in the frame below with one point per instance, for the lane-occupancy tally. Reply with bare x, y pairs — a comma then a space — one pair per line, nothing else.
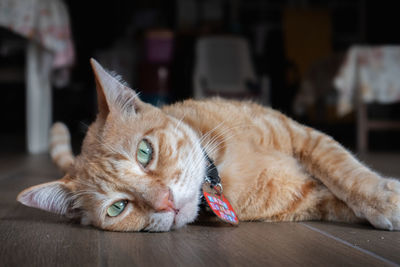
212, 196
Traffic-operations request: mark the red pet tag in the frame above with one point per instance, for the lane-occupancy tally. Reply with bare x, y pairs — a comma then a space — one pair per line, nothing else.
220, 206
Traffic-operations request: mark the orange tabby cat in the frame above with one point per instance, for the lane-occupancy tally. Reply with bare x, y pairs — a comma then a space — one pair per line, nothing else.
142, 168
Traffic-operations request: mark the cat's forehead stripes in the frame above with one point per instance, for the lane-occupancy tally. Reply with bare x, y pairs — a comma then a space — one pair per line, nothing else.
153, 130
167, 147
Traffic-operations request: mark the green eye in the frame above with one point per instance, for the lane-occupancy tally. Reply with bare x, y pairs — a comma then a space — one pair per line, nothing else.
116, 208
144, 152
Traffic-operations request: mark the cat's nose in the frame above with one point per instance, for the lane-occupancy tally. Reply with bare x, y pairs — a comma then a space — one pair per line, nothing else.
165, 201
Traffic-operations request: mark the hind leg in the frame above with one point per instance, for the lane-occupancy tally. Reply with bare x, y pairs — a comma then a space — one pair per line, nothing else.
369, 195
275, 187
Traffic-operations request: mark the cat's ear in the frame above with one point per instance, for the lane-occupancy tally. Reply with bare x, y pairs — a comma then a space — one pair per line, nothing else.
54, 197
112, 94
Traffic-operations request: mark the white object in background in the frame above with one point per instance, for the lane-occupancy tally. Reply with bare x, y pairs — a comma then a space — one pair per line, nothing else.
45, 24
223, 66
371, 70
38, 97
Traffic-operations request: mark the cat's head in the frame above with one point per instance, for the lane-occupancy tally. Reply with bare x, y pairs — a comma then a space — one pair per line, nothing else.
139, 169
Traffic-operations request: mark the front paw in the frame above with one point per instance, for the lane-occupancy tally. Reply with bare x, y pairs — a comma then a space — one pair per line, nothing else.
381, 206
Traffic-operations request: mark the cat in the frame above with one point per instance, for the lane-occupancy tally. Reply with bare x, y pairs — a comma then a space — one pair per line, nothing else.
141, 168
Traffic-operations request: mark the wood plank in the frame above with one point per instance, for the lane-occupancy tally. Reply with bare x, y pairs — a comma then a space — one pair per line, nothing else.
250, 244
384, 244
42, 240
39, 165
10, 164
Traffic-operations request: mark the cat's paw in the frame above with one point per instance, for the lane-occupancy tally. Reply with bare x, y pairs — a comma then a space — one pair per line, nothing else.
381, 207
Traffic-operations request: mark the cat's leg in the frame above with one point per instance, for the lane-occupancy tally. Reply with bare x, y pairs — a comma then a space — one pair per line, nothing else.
370, 196
274, 187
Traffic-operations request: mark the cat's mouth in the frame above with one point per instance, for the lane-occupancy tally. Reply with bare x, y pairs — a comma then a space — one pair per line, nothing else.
185, 214
176, 212
172, 206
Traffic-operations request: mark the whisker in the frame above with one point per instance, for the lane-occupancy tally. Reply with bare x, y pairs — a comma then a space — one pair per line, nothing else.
196, 164
179, 123
221, 134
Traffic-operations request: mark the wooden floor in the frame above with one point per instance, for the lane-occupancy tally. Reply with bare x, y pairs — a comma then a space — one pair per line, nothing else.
30, 237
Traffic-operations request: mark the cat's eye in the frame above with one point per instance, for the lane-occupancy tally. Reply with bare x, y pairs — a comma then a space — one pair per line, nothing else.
116, 208
144, 153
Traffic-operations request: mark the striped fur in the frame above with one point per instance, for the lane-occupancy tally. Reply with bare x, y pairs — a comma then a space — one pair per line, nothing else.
272, 168
60, 146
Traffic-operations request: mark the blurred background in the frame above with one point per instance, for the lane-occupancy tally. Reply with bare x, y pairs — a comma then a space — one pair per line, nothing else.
332, 64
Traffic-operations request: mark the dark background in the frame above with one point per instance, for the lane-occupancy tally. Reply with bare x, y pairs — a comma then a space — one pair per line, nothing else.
100, 26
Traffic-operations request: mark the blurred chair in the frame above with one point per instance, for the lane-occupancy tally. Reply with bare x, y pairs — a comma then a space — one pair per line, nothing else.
370, 74
223, 67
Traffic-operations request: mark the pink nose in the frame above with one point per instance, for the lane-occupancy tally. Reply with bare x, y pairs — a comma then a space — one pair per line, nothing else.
165, 201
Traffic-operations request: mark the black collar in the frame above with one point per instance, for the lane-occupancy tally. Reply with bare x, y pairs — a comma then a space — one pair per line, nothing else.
212, 175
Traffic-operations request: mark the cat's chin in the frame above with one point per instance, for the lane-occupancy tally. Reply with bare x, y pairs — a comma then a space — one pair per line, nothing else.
186, 214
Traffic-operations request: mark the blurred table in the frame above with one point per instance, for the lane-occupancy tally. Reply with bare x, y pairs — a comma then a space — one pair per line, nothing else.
368, 74
45, 24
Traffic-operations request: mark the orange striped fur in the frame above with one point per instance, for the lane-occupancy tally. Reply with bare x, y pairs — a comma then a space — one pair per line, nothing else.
272, 168
60, 146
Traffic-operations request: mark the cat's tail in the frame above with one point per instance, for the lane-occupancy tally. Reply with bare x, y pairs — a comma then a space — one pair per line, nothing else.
60, 146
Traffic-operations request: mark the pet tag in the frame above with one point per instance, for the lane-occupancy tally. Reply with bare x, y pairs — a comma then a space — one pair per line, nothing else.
219, 205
